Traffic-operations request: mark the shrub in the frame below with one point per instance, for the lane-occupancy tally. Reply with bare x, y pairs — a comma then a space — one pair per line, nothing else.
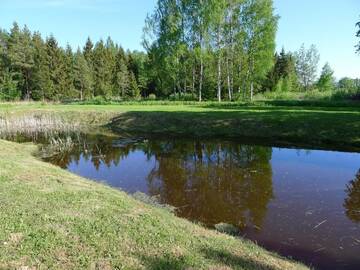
152, 97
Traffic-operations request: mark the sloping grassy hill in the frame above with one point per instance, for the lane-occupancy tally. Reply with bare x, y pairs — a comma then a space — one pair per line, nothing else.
51, 219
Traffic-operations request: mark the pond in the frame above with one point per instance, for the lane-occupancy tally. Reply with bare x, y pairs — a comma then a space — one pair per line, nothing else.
300, 203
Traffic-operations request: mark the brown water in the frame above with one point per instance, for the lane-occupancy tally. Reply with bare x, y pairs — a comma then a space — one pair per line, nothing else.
300, 203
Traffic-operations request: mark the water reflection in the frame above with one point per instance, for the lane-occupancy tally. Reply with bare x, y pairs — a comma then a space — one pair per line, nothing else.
209, 183
290, 201
213, 183
352, 202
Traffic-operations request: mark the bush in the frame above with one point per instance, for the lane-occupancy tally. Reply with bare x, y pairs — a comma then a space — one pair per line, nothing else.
152, 97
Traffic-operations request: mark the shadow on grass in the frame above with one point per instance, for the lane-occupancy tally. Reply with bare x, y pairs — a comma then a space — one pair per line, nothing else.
286, 105
236, 262
331, 130
165, 263
218, 258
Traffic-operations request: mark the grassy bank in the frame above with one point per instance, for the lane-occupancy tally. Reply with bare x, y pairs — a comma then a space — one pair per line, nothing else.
52, 219
319, 125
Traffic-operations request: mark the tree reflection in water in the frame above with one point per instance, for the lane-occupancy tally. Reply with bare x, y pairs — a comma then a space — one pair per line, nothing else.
352, 202
213, 182
210, 182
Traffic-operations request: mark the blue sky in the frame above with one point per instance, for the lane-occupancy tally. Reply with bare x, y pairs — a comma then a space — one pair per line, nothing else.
329, 24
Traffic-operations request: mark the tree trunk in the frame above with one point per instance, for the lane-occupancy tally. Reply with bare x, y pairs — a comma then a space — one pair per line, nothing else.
219, 79
219, 67
193, 81
228, 79
201, 77
251, 91
27, 88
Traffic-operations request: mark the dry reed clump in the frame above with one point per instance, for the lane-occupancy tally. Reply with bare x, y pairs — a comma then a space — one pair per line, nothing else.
35, 123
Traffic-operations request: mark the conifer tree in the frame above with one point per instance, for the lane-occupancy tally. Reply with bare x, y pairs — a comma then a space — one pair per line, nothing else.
82, 76
40, 81
56, 69
102, 70
20, 53
121, 75
134, 88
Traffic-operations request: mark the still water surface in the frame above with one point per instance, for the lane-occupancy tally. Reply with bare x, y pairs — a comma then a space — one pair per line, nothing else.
300, 203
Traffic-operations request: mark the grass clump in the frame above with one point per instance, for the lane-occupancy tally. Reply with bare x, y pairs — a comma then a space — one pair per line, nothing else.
52, 219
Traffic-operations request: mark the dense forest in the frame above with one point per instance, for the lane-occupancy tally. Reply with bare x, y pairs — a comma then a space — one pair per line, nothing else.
194, 50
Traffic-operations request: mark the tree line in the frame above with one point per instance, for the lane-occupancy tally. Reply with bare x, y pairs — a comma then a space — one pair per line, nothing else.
38, 69
214, 48
194, 49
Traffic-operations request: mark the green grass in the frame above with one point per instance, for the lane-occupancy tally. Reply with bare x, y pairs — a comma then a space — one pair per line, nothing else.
305, 124
51, 219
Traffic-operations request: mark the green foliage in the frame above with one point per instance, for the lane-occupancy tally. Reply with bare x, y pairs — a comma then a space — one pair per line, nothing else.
326, 81
196, 50
208, 46
283, 76
306, 65
42, 70
134, 88
8, 87
83, 80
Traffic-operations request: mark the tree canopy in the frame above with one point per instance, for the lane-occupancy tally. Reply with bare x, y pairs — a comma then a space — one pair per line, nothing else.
203, 47
35, 68
195, 49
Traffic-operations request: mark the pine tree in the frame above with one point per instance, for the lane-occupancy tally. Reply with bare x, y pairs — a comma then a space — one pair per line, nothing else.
88, 51
8, 86
121, 75
102, 71
56, 61
138, 64
284, 69
134, 88
40, 80
82, 76
69, 90
21, 56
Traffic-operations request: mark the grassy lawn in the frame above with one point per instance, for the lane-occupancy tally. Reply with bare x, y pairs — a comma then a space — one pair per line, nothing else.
51, 219
318, 124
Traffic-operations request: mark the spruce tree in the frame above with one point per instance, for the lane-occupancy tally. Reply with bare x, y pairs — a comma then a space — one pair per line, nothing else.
21, 56
69, 90
121, 75
134, 88
102, 71
56, 62
82, 76
40, 81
